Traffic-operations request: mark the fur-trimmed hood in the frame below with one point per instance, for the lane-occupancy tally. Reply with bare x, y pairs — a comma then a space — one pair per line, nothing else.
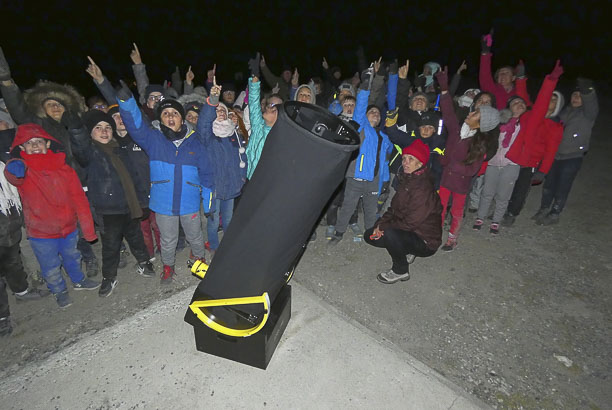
44, 90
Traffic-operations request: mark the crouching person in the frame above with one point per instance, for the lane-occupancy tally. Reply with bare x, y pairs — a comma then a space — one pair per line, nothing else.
53, 202
115, 190
411, 226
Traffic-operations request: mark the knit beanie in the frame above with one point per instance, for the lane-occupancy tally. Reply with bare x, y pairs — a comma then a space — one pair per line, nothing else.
92, 117
419, 150
169, 103
430, 118
153, 88
489, 118
373, 106
193, 106
347, 86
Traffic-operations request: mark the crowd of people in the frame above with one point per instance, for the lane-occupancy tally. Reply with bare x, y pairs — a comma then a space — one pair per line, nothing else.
147, 166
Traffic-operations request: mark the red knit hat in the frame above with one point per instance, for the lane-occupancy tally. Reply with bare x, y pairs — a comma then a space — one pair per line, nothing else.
419, 150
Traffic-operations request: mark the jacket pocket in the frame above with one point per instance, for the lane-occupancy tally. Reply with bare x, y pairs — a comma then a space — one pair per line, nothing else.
165, 181
194, 185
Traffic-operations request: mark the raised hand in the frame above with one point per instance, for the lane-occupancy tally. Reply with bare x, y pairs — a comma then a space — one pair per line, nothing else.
215, 92
262, 62
403, 70
486, 42
124, 93
189, 76
295, 78
135, 55
254, 65
519, 70
276, 89
5, 70
557, 71
210, 74
442, 77
94, 71
324, 64
462, 67
377, 65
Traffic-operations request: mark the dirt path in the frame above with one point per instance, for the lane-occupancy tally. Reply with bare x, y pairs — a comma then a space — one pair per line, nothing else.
500, 316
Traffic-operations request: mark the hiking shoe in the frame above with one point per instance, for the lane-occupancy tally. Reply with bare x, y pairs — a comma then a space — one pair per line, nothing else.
91, 267
508, 220
540, 215
550, 219
494, 228
32, 294
145, 269
108, 284
329, 232
6, 328
477, 224
392, 277
63, 299
335, 239
410, 258
451, 244
86, 284
356, 230
167, 274
123, 254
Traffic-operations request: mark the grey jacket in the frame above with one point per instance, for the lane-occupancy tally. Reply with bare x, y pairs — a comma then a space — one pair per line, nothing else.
578, 124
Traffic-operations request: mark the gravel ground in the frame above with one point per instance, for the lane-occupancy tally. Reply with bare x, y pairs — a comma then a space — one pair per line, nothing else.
521, 320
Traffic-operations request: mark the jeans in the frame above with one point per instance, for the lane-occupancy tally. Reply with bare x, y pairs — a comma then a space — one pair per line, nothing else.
399, 243
559, 182
169, 229
456, 208
11, 274
117, 227
225, 208
52, 254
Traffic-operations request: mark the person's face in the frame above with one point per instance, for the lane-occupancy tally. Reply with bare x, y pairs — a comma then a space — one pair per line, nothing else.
286, 76
304, 95
373, 117
426, 70
102, 132
337, 74
552, 105
270, 112
4, 125
221, 114
234, 117
576, 99
192, 117
229, 96
484, 99
54, 109
419, 103
35, 145
100, 105
348, 107
171, 118
505, 76
119, 125
410, 163
473, 120
317, 88
343, 94
153, 99
470, 93
517, 107
426, 131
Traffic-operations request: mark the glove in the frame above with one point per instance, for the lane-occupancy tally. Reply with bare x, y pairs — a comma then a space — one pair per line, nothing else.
486, 42
366, 78
71, 120
393, 67
213, 99
124, 92
519, 71
16, 167
537, 178
585, 85
391, 117
557, 71
5, 70
254, 65
442, 77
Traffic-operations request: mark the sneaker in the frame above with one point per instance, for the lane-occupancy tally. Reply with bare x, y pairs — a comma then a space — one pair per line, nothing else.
108, 284
86, 284
6, 328
410, 258
550, 219
540, 215
356, 230
508, 220
313, 237
477, 224
192, 259
329, 232
167, 274
392, 277
32, 294
145, 269
335, 239
123, 258
91, 267
451, 244
207, 245
494, 228
63, 299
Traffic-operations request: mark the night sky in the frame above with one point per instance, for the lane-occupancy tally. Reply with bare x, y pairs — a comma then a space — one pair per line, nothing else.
52, 41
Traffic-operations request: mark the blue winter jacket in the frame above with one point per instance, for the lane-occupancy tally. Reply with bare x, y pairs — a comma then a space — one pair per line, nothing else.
181, 177
366, 160
224, 156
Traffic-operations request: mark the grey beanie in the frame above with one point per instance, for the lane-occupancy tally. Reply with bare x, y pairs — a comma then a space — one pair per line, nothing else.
489, 118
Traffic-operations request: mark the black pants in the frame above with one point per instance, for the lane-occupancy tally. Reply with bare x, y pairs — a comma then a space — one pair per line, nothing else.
11, 273
399, 243
520, 191
85, 248
117, 227
558, 183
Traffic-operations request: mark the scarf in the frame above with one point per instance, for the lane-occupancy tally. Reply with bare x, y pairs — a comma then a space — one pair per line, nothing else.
508, 130
223, 129
9, 197
466, 132
126, 181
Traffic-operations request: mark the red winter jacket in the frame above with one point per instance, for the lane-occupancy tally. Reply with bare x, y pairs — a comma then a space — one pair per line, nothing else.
539, 138
52, 197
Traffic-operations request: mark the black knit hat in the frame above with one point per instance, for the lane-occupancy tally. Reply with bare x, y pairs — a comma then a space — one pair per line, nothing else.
430, 118
168, 103
193, 106
153, 88
92, 117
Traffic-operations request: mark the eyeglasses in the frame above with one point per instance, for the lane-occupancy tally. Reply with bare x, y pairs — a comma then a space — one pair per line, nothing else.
53, 104
156, 97
100, 106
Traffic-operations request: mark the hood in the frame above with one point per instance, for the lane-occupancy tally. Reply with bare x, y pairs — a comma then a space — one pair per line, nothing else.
44, 90
560, 103
190, 98
26, 132
313, 96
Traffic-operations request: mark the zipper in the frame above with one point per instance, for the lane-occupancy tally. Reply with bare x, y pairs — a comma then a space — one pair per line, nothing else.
361, 163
